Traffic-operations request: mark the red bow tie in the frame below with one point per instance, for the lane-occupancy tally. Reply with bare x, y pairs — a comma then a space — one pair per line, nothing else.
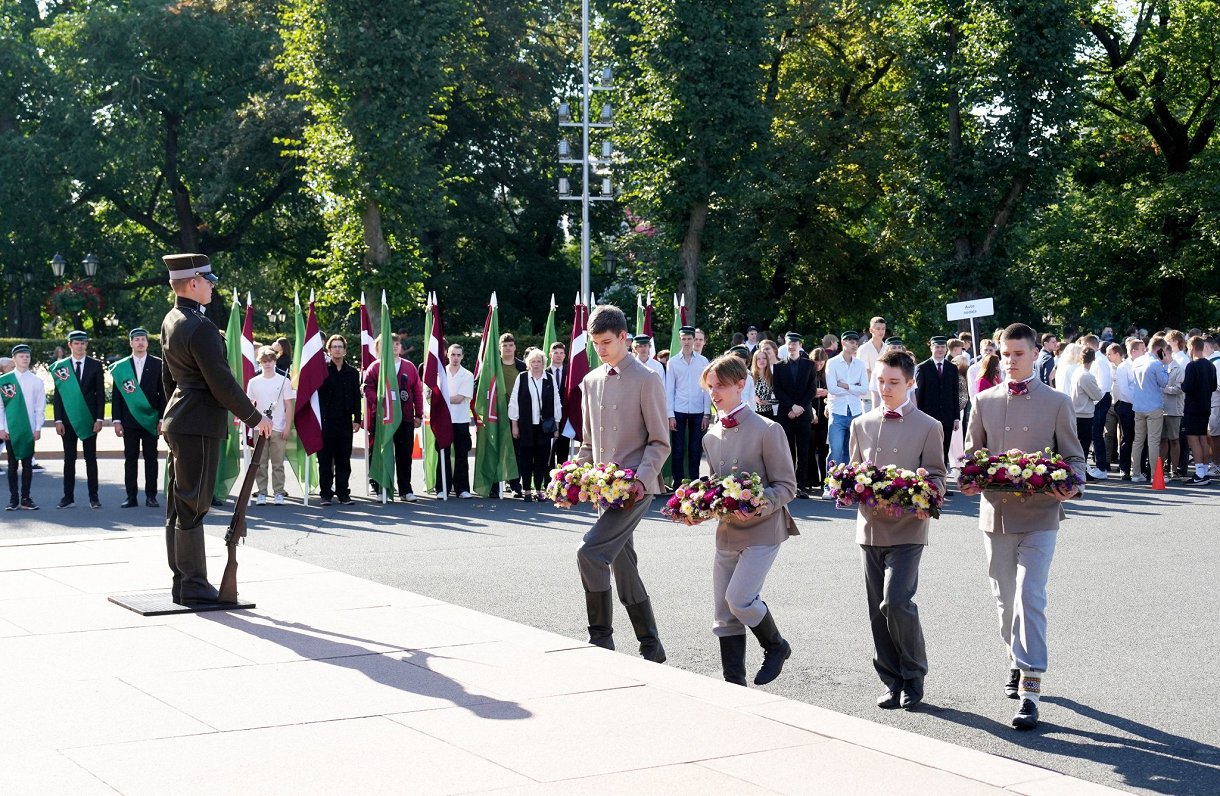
1018, 387
890, 414
611, 371
730, 421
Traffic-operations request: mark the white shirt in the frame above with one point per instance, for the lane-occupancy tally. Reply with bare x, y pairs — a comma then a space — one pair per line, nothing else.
35, 394
655, 366
1103, 371
137, 364
1124, 381
460, 383
972, 378
682, 390
869, 355
534, 385
1063, 378
273, 392
855, 376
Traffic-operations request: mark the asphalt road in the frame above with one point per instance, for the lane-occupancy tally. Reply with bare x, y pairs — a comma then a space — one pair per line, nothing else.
1132, 699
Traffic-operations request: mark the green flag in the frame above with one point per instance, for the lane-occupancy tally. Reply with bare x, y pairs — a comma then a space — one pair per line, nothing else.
67, 389
548, 335
17, 417
388, 414
229, 466
639, 315
675, 339
590, 351
128, 390
494, 460
431, 455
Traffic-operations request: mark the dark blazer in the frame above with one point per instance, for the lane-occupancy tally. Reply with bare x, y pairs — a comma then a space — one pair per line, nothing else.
339, 396
195, 375
936, 395
154, 390
794, 382
92, 387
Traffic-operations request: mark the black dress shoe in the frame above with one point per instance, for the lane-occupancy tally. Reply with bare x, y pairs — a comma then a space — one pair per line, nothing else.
129, 503
889, 700
1012, 687
217, 503
65, 503
94, 503
911, 700
1027, 715
152, 503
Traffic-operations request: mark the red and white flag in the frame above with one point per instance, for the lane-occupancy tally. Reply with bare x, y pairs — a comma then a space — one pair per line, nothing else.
578, 368
249, 360
436, 380
648, 321
367, 357
308, 414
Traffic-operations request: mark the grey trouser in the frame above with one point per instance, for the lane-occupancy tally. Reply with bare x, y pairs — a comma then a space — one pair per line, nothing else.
608, 547
891, 576
1148, 427
737, 579
1019, 564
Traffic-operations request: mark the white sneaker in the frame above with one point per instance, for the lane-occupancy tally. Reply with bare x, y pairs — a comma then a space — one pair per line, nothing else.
410, 497
1213, 471
1139, 478
1098, 474
466, 495
279, 500
260, 500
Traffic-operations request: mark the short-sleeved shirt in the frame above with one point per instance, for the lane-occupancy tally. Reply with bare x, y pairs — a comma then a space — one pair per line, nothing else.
273, 392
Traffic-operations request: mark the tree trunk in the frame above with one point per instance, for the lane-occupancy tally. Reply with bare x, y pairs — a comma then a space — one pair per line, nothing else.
688, 257
188, 233
376, 252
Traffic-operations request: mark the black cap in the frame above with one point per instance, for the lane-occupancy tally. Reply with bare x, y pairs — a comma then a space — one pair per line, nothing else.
751, 328
938, 339
641, 339
77, 334
740, 351
20, 348
850, 336
139, 331
797, 336
686, 330
185, 266
893, 341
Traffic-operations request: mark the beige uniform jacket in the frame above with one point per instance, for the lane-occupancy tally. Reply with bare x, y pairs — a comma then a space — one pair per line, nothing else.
625, 421
1041, 418
754, 445
912, 441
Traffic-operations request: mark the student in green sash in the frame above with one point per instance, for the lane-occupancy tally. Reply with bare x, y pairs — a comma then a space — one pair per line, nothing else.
80, 406
136, 405
25, 404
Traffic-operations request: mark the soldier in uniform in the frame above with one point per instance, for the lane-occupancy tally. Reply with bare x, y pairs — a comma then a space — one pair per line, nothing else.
201, 390
136, 407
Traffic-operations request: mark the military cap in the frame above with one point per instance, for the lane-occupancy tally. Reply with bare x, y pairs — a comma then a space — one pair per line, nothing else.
751, 328
641, 339
185, 266
139, 331
740, 351
938, 339
850, 336
797, 336
77, 335
20, 348
686, 330
893, 341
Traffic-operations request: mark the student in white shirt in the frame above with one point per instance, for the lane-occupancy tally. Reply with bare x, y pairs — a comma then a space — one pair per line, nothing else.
459, 387
847, 383
690, 409
869, 351
271, 390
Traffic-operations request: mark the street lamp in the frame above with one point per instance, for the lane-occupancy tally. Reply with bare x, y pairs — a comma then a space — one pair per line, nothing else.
90, 263
587, 164
57, 265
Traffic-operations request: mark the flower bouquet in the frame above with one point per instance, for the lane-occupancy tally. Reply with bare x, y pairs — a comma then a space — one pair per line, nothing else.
890, 490
1017, 471
607, 486
708, 497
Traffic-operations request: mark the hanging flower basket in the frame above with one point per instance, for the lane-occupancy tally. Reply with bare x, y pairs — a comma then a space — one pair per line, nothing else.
75, 297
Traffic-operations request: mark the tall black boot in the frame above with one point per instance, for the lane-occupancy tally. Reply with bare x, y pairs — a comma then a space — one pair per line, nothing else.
645, 626
775, 649
600, 605
733, 659
175, 589
191, 563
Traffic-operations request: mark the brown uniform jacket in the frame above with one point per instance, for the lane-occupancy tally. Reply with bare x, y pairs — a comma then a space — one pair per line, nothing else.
1000, 422
912, 441
195, 373
754, 445
625, 421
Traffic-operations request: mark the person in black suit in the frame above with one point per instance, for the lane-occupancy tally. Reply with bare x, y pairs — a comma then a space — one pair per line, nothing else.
202, 392
936, 390
558, 369
795, 383
146, 370
88, 374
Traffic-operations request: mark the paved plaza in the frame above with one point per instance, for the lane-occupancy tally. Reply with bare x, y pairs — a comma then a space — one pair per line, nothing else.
438, 648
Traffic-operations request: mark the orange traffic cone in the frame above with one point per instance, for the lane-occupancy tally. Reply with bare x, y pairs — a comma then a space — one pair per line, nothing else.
1158, 474
417, 452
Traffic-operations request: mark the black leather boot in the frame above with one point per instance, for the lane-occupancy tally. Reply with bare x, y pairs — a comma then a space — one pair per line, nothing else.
645, 626
600, 606
193, 565
733, 659
1012, 687
775, 649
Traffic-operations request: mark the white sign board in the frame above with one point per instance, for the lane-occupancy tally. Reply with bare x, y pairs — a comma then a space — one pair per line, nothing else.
978, 308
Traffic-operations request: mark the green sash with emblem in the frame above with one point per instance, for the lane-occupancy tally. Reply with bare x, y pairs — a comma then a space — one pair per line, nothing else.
127, 387
17, 416
72, 399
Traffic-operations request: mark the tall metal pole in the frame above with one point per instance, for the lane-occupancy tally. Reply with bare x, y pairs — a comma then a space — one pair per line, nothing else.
585, 284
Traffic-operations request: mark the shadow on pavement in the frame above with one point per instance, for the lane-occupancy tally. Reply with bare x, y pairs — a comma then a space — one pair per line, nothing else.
327, 648
1145, 757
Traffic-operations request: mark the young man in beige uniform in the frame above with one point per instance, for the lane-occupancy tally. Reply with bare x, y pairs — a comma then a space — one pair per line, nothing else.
896, 433
624, 421
747, 544
1020, 532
